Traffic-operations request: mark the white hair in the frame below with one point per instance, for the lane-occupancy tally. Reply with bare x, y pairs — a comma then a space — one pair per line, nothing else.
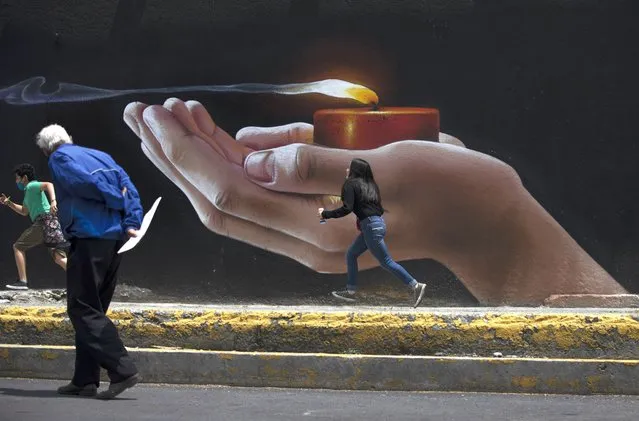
51, 137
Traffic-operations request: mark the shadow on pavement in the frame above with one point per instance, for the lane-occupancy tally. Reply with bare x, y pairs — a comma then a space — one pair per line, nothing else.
46, 393
27, 393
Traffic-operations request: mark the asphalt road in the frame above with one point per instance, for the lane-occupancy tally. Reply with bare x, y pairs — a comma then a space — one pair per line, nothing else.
25, 400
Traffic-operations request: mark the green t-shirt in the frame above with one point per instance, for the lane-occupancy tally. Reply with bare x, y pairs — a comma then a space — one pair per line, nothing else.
35, 200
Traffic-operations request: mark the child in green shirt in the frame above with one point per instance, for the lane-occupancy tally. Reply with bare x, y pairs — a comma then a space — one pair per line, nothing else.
45, 229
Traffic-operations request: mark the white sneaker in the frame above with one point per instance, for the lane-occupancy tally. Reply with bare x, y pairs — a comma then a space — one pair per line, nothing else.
419, 291
18, 285
345, 295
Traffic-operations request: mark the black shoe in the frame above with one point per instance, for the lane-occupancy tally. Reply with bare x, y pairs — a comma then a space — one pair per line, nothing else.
420, 291
116, 388
71, 389
18, 285
345, 295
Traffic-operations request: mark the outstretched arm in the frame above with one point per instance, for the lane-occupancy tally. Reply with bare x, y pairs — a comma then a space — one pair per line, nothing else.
19, 209
349, 203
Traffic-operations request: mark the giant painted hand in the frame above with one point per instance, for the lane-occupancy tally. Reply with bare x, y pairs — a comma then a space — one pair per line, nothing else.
465, 209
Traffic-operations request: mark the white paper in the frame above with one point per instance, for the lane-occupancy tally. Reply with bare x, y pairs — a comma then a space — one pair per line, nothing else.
146, 222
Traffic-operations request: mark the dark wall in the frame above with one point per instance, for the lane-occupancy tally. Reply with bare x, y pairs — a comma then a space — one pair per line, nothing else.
550, 87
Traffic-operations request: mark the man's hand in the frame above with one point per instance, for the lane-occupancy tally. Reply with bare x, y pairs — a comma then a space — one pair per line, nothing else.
131, 232
5, 200
54, 206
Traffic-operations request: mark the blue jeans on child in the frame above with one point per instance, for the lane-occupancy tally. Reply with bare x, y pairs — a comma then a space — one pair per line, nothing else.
372, 238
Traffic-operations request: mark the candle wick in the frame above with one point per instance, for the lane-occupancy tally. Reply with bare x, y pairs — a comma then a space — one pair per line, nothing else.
375, 106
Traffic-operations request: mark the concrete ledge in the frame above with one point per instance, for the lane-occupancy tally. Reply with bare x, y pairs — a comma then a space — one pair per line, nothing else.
474, 333
346, 372
593, 300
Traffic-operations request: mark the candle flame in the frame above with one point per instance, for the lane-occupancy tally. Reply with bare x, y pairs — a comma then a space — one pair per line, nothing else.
343, 89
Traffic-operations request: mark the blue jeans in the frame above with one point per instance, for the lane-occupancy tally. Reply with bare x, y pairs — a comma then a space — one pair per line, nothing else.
372, 238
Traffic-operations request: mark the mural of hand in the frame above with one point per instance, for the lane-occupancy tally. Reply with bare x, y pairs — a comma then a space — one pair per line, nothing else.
465, 209
206, 163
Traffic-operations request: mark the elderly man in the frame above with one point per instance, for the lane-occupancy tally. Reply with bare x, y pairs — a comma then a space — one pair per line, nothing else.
98, 207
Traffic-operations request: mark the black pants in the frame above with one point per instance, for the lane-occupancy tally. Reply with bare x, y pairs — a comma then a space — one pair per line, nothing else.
91, 278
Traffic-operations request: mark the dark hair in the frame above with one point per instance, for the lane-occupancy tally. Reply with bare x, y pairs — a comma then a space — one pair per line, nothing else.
361, 175
25, 170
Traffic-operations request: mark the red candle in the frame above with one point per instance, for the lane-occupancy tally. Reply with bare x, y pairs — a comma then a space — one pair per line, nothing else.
369, 128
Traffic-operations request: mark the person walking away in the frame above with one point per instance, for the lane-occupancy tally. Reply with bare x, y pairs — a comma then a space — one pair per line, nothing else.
98, 208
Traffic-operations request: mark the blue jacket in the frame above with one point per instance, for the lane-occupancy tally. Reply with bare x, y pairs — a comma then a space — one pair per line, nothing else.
89, 186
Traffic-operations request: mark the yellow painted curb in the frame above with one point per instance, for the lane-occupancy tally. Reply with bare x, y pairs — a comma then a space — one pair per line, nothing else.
382, 333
